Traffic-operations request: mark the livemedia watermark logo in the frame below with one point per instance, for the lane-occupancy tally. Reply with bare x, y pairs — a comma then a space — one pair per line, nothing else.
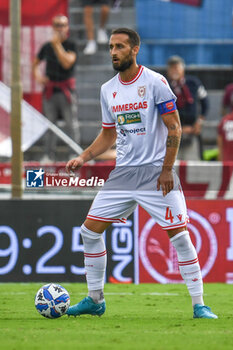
40, 179
35, 178
94, 181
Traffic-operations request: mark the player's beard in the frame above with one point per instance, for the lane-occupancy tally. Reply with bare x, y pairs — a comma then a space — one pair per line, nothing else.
125, 64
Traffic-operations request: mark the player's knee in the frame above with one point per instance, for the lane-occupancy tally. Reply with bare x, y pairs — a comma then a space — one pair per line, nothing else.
181, 240
89, 234
172, 233
96, 226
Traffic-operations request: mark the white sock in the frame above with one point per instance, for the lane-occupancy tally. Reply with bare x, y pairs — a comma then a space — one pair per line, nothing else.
95, 260
189, 266
97, 295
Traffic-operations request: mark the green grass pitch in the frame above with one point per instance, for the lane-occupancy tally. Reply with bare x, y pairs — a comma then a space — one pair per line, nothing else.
145, 316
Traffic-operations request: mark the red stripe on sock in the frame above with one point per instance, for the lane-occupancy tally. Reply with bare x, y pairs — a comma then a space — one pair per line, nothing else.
183, 263
97, 255
188, 261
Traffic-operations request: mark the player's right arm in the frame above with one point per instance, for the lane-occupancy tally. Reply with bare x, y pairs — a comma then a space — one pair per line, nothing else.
101, 144
39, 77
103, 141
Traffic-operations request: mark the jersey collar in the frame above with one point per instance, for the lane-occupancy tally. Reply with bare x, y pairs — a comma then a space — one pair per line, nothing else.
134, 79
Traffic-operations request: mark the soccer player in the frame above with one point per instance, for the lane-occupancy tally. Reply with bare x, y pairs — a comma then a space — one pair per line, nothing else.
139, 113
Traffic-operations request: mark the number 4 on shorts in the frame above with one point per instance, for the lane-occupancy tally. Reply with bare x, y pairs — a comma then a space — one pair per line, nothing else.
168, 215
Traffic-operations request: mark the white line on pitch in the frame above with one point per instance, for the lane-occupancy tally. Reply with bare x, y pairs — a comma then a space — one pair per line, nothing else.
161, 294
153, 293
111, 293
13, 293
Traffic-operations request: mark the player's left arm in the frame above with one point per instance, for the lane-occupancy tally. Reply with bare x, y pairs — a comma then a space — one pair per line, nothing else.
66, 58
172, 122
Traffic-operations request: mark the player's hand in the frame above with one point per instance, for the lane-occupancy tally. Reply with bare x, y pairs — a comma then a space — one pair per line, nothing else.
187, 129
74, 164
165, 181
57, 38
43, 80
198, 126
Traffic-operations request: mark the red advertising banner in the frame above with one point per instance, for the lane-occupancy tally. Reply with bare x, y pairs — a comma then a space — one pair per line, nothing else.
209, 180
211, 231
35, 30
189, 2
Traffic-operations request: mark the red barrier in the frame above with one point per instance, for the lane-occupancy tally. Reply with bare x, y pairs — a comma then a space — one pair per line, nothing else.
56, 172
211, 230
208, 180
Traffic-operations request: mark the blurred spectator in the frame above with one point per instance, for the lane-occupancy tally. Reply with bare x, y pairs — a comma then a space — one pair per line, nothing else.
191, 97
225, 137
59, 90
102, 37
227, 103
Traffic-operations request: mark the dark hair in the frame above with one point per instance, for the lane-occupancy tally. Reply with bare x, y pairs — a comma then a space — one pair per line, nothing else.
134, 38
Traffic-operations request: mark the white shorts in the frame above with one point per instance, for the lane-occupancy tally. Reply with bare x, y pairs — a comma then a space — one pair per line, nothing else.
129, 186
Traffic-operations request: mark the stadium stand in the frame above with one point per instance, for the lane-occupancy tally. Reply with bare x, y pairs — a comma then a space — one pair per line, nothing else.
201, 35
92, 71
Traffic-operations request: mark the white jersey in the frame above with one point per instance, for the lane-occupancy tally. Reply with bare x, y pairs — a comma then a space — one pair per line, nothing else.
134, 108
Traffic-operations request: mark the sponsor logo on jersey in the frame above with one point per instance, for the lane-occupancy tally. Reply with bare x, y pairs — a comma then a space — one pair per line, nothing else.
138, 131
129, 118
129, 107
114, 94
141, 91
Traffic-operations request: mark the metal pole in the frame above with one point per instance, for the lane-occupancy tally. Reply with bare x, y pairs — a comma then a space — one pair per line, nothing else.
16, 97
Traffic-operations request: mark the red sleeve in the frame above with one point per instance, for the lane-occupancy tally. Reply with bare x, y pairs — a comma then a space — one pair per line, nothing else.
108, 125
220, 127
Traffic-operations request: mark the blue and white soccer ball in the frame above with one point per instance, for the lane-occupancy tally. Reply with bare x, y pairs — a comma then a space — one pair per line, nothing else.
52, 300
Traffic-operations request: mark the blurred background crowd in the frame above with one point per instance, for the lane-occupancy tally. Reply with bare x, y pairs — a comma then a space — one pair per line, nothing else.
188, 41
